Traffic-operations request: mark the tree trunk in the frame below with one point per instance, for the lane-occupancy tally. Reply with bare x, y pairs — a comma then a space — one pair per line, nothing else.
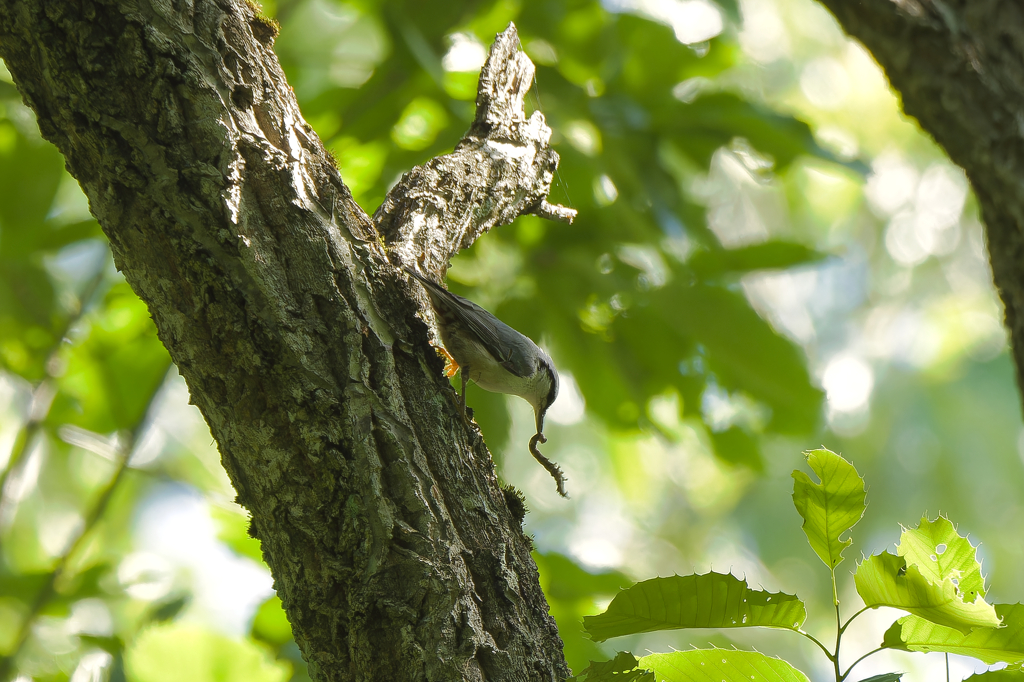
959, 68
390, 541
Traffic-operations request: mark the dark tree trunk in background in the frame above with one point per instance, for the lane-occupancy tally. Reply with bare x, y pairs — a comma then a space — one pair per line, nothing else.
959, 68
378, 510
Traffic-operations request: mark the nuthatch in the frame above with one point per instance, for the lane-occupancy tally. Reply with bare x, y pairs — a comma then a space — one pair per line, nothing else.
497, 358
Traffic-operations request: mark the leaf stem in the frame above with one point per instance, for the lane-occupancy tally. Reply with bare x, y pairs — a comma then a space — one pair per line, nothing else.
815, 640
839, 626
847, 623
870, 653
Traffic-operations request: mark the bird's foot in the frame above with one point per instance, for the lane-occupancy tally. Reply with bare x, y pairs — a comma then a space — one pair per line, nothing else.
450, 366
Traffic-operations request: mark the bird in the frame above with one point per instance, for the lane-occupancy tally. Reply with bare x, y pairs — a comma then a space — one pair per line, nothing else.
497, 358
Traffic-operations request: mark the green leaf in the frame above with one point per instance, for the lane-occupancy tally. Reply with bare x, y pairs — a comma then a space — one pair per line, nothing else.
111, 644
111, 375
720, 665
713, 120
233, 530
22, 586
892, 638
885, 677
168, 653
742, 350
30, 174
991, 645
271, 623
937, 549
886, 580
1007, 675
771, 255
831, 507
712, 600
622, 668
736, 445
562, 579
168, 609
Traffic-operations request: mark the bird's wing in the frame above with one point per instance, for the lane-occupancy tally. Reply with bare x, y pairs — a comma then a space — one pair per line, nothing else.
485, 326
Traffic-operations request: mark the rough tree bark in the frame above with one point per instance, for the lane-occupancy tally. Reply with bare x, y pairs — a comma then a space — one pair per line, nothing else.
959, 68
379, 513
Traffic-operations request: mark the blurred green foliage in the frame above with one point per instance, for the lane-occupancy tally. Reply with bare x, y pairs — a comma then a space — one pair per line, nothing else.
934, 575
758, 227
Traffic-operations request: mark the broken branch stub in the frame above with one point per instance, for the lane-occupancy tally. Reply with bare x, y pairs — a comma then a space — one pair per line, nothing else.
500, 170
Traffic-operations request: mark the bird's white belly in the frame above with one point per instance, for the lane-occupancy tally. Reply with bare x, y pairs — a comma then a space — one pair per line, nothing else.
485, 372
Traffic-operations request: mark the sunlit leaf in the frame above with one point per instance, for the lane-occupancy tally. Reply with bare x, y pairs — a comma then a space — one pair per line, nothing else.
886, 580
712, 600
1006, 675
419, 124
831, 507
720, 665
940, 552
622, 668
991, 645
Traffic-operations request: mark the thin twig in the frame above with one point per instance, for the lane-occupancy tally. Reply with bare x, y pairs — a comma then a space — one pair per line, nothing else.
815, 640
870, 653
847, 623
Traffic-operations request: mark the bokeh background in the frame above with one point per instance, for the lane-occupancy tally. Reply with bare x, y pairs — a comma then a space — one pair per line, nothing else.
768, 258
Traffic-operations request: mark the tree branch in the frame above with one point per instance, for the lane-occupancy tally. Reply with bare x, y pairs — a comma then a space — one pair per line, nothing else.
500, 170
377, 508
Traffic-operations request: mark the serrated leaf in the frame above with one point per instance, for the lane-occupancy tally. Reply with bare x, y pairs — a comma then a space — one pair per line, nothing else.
886, 580
712, 600
831, 507
1007, 675
720, 665
991, 645
622, 668
940, 552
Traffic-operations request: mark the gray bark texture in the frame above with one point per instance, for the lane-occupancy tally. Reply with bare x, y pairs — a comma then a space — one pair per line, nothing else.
390, 541
959, 68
